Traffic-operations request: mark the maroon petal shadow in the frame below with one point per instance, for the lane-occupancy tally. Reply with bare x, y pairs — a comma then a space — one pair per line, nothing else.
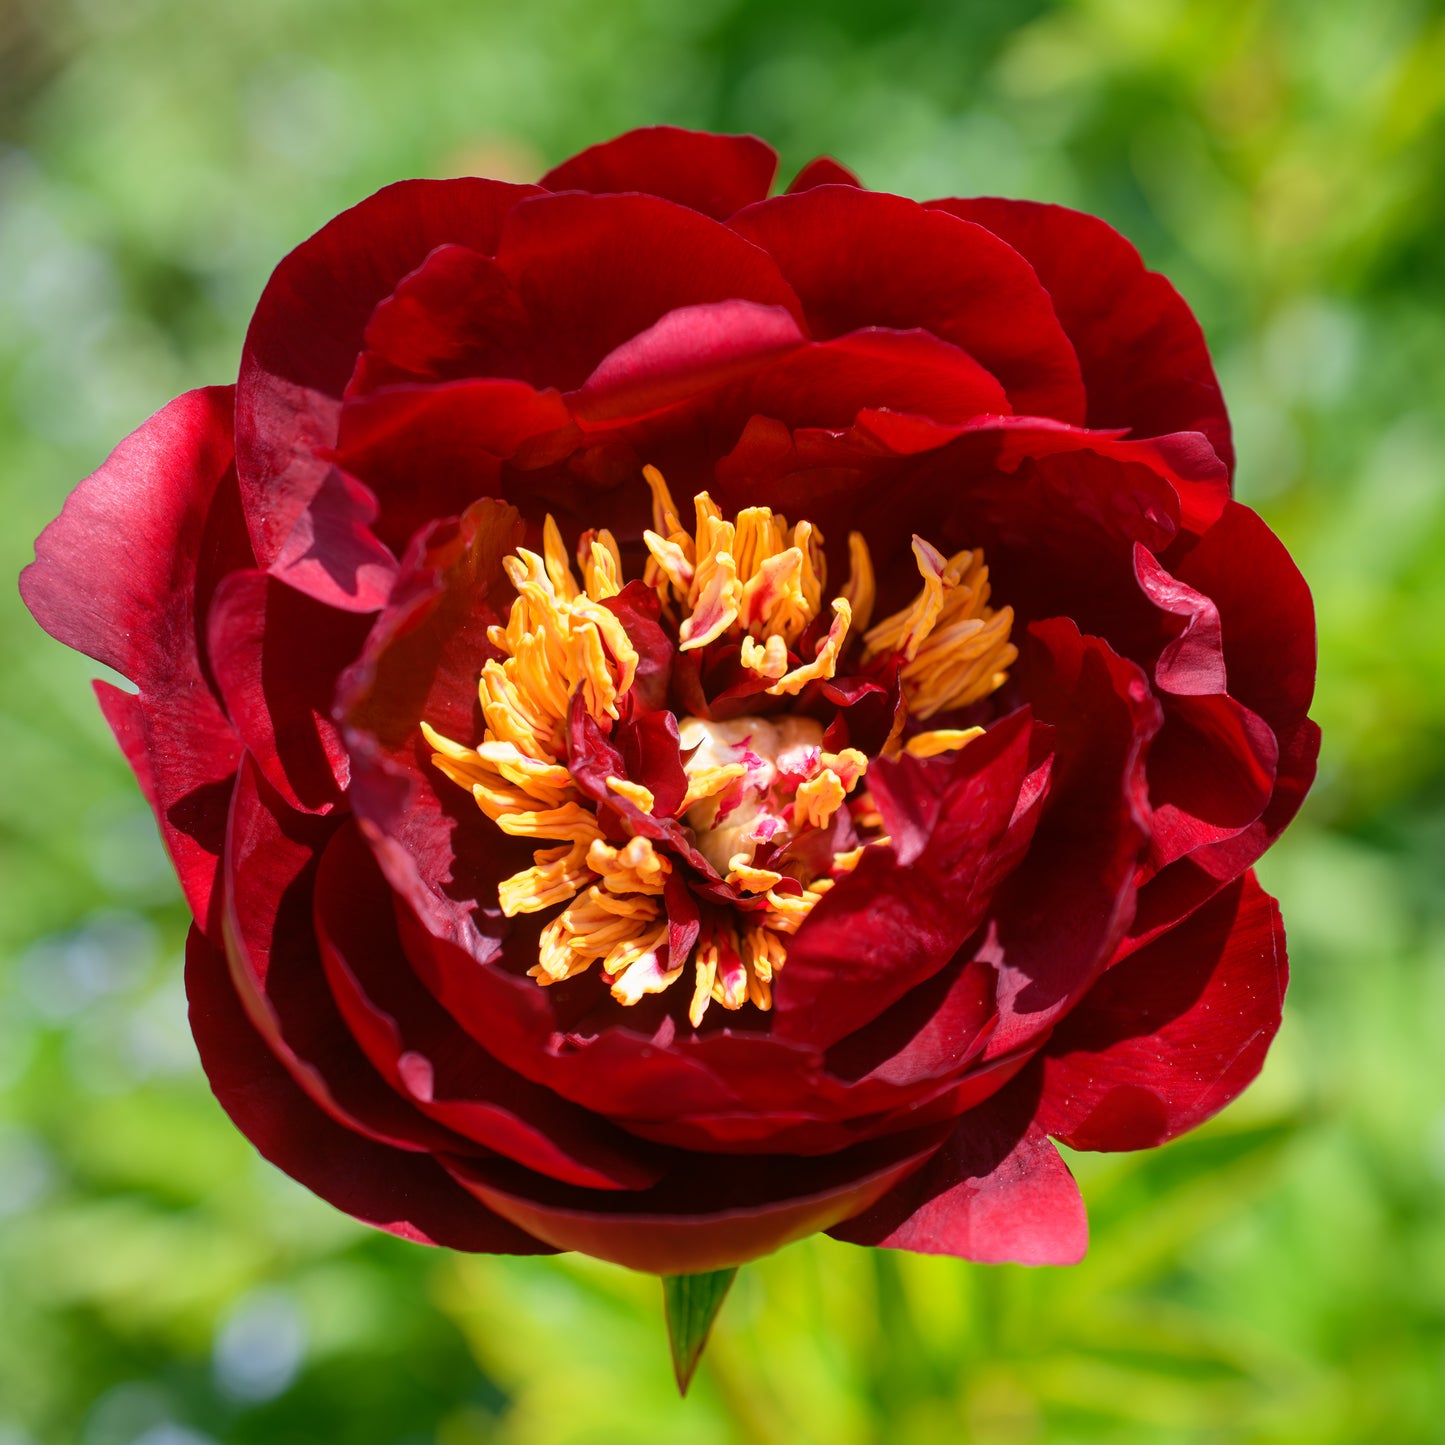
276, 655
406, 1194
717, 1214
428, 1059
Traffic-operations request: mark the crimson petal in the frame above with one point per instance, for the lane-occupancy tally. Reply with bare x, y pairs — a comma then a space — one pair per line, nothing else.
595, 271
828, 383
997, 1192
456, 315
421, 661
269, 871
299, 354
1059, 917
279, 697
862, 258
714, 174
1170, 1035
1267, 631
711, 1216
115, 576
406, 1194
1145, 362
691, 350
899, 916
1212, 767
822, 171
426, 1057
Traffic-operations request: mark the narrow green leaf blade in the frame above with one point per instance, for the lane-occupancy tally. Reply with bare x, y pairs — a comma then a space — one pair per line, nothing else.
691, 1302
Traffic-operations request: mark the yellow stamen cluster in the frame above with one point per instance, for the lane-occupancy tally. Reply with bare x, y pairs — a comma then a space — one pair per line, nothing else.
559, 639
736, 965
758, 584
753, 577
955, 648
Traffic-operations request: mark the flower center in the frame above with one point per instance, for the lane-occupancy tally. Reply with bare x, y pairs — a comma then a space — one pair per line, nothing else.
649, 871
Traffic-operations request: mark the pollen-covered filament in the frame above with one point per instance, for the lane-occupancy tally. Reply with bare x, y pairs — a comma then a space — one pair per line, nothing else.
771, 817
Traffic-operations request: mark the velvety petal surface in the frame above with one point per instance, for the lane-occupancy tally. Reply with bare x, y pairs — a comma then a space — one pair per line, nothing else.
1062, 912
300, 352
861, 258
901, 914
1172, 1034
278, 695
714, 174
404, 1193
421, 661
712, 1217
997, 1192
428, 1059
269, 870
1144, 359
115, 576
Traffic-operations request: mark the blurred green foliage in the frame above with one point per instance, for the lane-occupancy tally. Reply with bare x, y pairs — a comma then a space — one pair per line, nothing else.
1277, 1277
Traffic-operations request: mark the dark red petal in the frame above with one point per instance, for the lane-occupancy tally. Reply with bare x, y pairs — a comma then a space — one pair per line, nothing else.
691, 350
1212, 767
188, 785
714, 174
651, 748
638, 609
720, 1213
594, 756
427, 1058
441, 426
404, 1193
1058, 529
1057, 920
1177, 890
827, 383
822, 171
456, 315
594, 271
269, 874
1173, 1033
997, 1192
276, 655
527, 1027
115, 575
300, 352
430, 451
724, 1090
1267, 630
1266, 614
901, 914
862, 258
422, 661
1145, 362
1185, 460
822, 1121
1211, 774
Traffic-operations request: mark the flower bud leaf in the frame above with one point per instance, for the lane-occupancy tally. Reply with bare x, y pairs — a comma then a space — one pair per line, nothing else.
691, 1303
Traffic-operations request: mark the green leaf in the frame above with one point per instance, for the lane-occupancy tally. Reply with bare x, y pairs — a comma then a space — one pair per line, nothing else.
691, 1302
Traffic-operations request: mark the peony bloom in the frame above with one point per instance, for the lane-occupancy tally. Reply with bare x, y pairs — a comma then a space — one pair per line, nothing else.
686, 719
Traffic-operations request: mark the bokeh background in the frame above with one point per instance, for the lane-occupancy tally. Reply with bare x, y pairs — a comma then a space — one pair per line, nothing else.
1277, 1277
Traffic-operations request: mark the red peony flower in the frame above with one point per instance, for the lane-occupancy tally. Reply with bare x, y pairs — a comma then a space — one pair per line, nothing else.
686, 719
